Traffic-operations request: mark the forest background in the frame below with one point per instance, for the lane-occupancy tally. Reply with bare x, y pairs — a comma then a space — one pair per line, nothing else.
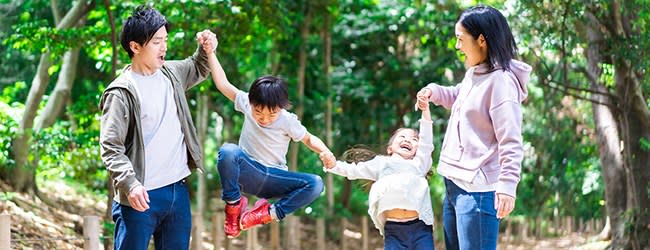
353, 68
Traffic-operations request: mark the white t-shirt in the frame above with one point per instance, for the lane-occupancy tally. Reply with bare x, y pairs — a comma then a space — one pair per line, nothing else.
164, 144
268, 145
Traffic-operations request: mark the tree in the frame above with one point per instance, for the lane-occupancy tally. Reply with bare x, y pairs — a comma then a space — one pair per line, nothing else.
23, 174
613, 33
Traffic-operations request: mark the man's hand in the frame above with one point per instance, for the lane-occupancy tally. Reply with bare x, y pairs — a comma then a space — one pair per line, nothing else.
207, 40
328, 159
138, 198
504, 204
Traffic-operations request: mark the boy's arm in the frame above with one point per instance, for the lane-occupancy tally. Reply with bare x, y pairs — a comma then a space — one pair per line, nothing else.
220, 79
314, 143
218, 75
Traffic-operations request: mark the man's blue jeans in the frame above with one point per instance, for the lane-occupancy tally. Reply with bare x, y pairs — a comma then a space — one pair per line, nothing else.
241, 173
469, 219
409, 235
168, 219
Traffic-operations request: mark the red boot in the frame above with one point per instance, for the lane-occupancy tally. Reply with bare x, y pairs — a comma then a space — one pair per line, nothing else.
233, 215
259, 215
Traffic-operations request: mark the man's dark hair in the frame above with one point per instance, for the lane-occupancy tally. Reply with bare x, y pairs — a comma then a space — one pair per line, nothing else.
269, 92
140, 27
489, 22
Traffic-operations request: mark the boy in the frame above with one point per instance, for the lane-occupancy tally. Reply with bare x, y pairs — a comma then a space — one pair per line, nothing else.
258, 164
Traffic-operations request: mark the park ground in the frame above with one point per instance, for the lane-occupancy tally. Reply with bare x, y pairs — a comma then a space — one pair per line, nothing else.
37, 225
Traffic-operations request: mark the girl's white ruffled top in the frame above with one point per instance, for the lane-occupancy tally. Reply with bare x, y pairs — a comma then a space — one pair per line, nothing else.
399, 183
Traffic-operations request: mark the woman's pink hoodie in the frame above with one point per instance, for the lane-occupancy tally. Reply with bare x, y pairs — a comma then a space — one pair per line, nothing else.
484, 130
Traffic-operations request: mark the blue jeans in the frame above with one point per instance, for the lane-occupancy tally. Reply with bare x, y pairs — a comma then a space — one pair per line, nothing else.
168, 219
241, 173
469, 219
413, 234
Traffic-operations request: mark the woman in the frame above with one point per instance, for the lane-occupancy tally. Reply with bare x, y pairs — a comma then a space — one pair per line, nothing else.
482, 151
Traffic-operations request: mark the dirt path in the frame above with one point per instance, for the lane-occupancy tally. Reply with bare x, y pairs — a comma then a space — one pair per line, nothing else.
572, 241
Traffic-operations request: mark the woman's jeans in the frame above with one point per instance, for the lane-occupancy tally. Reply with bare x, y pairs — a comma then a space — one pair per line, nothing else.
168, 219
413, 235
469, 219
241, 173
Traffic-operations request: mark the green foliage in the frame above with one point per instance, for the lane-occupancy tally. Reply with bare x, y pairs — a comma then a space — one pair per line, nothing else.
645, 144
383, 52
553, 117
34, 37
381, 62
71, 155
8, 129
7, 196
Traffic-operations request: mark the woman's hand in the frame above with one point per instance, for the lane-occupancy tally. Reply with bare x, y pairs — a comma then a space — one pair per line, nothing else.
504, 204
423, 99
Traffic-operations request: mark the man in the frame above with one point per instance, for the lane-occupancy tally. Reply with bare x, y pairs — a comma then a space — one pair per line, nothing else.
147, 137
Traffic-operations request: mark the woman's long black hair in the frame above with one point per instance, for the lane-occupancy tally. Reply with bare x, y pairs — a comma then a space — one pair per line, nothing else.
489, 22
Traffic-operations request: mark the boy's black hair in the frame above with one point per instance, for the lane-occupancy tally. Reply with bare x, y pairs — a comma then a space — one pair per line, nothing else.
489, 22
269, 92
140, 27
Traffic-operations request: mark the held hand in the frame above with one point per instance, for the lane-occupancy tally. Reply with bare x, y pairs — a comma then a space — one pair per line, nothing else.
328, 159
138, 198
208, 40
424, 93
423, 99
504, 204
423, 104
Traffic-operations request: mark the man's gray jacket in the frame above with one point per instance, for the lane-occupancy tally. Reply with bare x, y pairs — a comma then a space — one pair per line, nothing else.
121, 141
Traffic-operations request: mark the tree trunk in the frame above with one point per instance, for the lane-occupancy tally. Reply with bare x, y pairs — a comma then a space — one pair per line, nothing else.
108, 213
608, 138
59, 96
636, 155
293, 225
320, 234
22, 175
322, 228
202, 130
344, 240
202, 118
611, 167
114, 43
327, 62
633, 123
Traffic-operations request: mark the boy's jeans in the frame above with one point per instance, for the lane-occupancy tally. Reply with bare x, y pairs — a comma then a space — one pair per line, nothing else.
241, 173
168, 219
469, 219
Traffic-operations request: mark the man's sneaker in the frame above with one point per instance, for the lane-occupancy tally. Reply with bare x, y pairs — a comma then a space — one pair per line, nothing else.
233, 215
259, 215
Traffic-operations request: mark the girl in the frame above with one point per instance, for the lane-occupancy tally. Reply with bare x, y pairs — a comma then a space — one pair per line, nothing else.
399, 199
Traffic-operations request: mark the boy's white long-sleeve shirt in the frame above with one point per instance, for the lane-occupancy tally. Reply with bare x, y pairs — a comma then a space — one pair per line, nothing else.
399, 183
